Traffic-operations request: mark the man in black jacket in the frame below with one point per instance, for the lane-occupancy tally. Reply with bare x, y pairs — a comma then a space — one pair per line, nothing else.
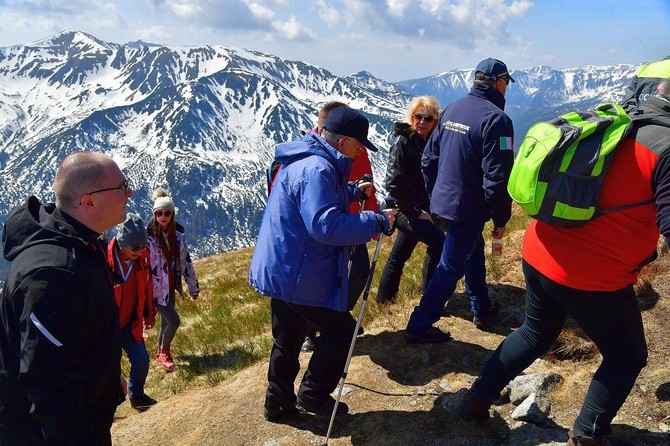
60, 346
645, 84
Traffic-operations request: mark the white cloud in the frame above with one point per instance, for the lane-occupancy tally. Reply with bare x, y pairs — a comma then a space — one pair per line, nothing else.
397, 7
327, 13
293, 30
186, 11
261, 11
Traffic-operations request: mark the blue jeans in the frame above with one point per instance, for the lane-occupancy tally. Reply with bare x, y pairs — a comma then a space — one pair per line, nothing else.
610, 318
139, 361
410, 233
462, 255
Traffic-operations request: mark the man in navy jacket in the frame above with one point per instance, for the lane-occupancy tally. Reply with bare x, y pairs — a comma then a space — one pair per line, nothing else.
466, 166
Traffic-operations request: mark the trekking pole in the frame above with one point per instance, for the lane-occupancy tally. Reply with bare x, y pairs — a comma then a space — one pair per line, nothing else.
390, 204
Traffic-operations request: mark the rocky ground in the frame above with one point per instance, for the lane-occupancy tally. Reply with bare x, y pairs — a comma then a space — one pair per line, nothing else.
402, 394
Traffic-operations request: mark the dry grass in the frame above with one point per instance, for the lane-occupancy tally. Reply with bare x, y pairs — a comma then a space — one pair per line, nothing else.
395, 390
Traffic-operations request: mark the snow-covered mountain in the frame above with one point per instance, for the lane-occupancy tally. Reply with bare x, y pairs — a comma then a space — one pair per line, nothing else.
203, 121
539, 93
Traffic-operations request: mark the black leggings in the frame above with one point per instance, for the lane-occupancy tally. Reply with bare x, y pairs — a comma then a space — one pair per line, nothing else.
611, 319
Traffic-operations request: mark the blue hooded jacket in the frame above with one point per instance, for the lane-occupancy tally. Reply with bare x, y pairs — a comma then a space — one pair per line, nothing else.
303, 245
468, 159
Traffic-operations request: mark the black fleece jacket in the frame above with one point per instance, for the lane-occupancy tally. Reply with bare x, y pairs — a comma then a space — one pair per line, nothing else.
404, 180
60, 346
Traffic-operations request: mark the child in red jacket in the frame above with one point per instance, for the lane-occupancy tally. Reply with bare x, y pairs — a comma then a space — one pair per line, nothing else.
128, 256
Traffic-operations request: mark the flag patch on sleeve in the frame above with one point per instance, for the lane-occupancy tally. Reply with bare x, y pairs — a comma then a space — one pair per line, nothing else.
506, 143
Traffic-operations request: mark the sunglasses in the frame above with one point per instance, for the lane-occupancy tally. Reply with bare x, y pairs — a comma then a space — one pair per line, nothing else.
125, 186
419, 117
137, 248
161, 213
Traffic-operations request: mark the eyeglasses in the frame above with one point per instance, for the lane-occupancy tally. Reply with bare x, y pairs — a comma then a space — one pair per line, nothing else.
125, 186
419, 117
137, 248
159, 214
506, 79
359, 147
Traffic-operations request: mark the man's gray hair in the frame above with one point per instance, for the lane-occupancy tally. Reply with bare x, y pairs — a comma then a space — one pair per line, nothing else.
331, 137
78, 174
480, 78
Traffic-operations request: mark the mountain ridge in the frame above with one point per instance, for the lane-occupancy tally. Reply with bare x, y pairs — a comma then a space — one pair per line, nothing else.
203, 121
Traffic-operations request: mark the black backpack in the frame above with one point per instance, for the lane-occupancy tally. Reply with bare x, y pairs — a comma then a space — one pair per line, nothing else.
271, 174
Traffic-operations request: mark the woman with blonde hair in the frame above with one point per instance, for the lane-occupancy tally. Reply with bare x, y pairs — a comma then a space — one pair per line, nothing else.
170, 261
404, 182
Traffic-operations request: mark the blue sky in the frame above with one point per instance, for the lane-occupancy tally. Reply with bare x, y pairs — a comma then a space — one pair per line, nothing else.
393, 39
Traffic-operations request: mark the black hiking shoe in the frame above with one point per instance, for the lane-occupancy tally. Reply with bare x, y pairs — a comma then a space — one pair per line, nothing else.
142, 402
432, 335
471, 408
602, 440
323, 408
273, 412
308, 345
486, 319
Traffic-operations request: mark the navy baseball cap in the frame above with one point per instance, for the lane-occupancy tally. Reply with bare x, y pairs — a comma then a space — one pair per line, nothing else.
493, 69
349, 122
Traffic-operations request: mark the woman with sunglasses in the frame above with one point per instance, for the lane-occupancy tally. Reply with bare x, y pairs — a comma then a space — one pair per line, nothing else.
170, 261
404, 182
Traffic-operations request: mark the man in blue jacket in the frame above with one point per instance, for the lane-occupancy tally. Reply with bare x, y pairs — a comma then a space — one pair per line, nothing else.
466, 166
301, 256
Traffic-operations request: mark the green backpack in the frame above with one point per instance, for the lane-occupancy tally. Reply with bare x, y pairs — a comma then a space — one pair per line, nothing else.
561, 165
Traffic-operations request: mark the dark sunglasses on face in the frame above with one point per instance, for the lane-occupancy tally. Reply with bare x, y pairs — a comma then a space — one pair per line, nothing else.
161, 213
419, 117
137, 248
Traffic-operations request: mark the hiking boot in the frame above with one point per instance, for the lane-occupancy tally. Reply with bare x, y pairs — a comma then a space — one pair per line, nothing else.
584, 440
308, 345
487, 318
432, 335
324, 408
471, 408
385, 301
273, 412
165, 359
142, 402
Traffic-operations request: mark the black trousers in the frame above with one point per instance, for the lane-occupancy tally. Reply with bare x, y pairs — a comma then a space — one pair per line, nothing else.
325, 367
358, 274
410, 233
611, 319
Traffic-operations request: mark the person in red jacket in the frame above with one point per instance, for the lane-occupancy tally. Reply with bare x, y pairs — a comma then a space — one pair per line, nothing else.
588, 273
128, 256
